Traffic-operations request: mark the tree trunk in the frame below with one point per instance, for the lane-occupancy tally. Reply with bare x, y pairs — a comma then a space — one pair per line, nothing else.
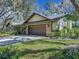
75, 5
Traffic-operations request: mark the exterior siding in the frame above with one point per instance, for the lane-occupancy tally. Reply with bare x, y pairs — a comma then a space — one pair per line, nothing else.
55, 25
47, 23
50, 25
48, 28
36, 18
27, 30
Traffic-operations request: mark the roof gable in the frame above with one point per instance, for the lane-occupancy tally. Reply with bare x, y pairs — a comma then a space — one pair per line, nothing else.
35, 15
36, 18
50, 17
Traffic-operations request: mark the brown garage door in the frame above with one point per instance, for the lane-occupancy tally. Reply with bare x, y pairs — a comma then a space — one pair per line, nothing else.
37, 29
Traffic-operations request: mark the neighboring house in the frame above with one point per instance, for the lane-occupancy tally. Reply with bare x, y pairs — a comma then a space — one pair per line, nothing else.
38, 24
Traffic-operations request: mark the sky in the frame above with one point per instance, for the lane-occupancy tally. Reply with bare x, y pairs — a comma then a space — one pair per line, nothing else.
57, 1
41, 2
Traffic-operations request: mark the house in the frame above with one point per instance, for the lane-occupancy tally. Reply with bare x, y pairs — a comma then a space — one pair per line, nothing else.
38, 24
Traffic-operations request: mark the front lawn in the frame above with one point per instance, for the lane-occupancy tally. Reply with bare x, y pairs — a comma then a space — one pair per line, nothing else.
39, 49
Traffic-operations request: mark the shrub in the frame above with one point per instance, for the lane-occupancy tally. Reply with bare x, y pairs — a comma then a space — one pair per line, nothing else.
5, 53
2, 35
73, 33
70, 53
76, 30
54, 34
6, 33
70, 33
9, 52
11, 33
63, 32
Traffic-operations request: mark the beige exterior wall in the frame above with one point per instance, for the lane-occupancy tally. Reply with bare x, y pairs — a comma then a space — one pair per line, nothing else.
27, 29
36, 18
36, 23
54, 25
48, 26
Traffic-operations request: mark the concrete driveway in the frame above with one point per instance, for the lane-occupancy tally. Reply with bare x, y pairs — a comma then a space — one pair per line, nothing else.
32, 37
14, 39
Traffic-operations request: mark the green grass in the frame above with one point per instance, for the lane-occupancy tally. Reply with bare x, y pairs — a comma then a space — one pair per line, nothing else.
39, 49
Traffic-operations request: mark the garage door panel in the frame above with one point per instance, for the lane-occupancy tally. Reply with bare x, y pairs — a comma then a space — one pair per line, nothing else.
37, 29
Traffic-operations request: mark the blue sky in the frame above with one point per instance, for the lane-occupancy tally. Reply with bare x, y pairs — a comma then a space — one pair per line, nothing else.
57, 1
41, 2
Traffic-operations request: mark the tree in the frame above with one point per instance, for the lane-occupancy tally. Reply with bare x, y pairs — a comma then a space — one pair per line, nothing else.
74, 15
5, 12
12, 8
74, 2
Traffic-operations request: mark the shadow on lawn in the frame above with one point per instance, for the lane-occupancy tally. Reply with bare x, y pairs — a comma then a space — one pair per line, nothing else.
53, 42
28, 51
43, 41
13, 53
69, 53
18, 54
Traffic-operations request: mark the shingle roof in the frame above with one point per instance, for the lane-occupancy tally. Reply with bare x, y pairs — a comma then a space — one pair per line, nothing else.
51, 17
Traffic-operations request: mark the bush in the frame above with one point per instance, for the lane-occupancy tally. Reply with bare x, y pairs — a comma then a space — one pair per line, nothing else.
54, 34
8, 52
11, 33
70, 53
65, 33
76, 30
70, 33
5, 53
6, 33
2, 35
